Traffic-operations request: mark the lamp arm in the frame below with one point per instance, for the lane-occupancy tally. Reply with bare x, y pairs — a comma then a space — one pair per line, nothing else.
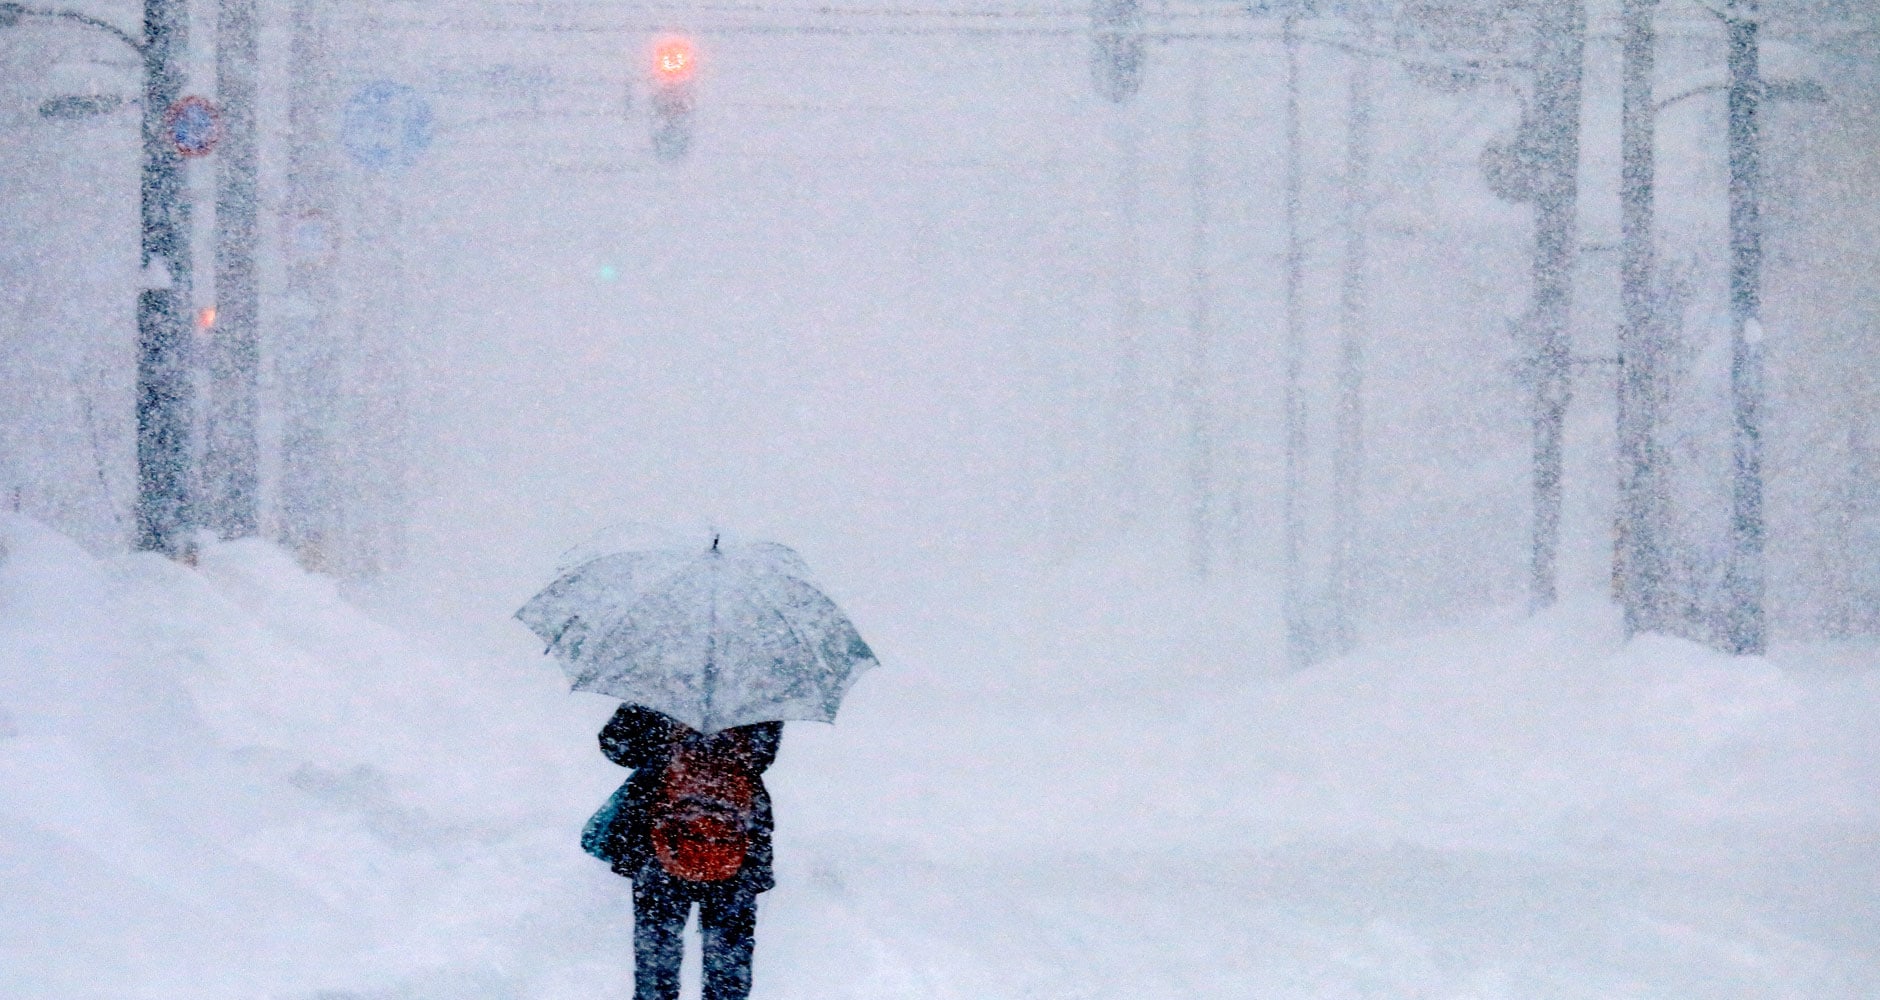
10, 13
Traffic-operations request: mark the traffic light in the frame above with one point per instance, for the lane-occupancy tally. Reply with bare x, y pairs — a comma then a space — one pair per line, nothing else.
1116, 58
674, 63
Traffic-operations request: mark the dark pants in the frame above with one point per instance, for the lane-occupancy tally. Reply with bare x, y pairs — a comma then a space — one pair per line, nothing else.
727, 917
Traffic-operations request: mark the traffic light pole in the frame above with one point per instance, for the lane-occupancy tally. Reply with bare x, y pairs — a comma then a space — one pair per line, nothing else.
164, 390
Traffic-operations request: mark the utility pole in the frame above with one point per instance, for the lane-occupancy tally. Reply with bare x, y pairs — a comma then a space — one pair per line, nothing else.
1354, 308
1301, 644
1744, 626
164, 389
1559, 52
233, 455
1640, 555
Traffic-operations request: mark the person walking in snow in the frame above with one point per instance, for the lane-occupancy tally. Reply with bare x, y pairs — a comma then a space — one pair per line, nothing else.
709, 648
695, 827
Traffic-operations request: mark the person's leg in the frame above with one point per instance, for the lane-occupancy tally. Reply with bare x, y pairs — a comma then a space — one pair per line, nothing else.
728, 926
658, 922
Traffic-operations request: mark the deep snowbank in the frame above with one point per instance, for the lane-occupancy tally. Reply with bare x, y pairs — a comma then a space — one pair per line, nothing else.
225, 781
1091, 780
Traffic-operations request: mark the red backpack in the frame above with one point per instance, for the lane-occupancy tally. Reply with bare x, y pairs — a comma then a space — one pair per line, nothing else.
702, 814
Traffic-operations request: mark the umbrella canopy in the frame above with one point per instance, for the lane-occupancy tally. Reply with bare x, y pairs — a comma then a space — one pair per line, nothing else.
714, 637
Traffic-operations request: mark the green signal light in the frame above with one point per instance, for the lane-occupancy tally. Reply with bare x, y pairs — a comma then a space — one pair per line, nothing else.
609, 273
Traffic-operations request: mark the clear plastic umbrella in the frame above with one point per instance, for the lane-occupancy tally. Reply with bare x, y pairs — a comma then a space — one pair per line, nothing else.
715, 637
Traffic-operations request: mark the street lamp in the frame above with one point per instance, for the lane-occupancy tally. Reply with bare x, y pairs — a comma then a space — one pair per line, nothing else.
164, 387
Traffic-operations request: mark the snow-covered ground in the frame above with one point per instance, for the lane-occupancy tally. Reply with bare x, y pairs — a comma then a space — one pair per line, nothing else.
1080, 781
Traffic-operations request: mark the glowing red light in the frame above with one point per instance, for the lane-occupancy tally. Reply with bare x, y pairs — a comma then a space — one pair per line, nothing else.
205, 318
673, 59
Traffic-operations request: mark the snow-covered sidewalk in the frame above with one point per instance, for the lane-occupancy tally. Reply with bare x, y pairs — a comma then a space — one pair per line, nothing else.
1087, 781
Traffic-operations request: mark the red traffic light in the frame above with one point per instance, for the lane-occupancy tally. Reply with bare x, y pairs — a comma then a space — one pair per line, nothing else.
673, 60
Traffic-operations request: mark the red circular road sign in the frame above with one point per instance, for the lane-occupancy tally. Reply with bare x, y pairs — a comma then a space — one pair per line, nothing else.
194, 125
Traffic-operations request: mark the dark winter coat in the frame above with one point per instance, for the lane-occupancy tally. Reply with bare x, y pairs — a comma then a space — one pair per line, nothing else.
642, 739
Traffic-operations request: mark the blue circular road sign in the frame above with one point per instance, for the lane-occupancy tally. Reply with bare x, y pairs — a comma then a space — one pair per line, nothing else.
386, 124
194, 126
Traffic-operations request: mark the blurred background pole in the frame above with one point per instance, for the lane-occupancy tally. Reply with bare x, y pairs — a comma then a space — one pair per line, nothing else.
1301, 644
1559, 50
1197, 384
1353, 317
1126, 389
1641, 568
164, 391
233, 449
305, 357
1744, 619
1116, 65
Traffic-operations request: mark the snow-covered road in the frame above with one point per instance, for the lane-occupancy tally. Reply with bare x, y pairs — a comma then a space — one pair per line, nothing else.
229, 781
